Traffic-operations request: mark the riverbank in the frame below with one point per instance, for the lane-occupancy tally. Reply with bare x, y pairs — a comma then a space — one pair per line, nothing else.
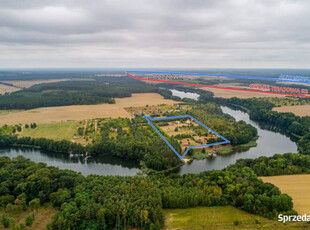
238, 148
268, 143
148, 171
198, 155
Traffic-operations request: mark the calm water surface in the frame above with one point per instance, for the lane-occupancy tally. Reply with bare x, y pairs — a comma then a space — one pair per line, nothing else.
101, 165
269, 143
182, 94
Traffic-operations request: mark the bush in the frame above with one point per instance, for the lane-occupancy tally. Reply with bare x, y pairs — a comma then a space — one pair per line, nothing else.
34, 204
12, 222
22, 226
236, 222
5, 221
29, 219
190, 152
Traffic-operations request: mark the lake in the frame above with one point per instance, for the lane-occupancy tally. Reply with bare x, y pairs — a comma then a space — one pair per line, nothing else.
269, 143
101, 165
182, 94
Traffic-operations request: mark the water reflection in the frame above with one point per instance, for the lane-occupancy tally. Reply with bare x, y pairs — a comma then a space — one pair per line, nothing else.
268, 144
101, 165
182, 94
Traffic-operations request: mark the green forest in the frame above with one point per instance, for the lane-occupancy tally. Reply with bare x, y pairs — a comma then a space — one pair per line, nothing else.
107, 202
77, 92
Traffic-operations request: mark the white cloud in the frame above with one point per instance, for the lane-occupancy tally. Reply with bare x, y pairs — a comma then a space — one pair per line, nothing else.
171, 33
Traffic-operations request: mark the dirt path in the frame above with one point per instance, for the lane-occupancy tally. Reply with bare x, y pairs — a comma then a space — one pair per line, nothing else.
85, 127
96, 124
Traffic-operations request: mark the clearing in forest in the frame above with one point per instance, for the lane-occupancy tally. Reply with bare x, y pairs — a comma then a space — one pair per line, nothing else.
190, 132
55, 131
43, 216
222, 218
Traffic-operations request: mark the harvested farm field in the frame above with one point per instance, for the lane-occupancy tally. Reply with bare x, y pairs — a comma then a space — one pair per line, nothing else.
296, 186
7, 89
82, 112
299, 110
27, 84
230, 93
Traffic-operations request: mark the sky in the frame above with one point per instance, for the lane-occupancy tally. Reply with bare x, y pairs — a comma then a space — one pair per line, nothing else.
155, 33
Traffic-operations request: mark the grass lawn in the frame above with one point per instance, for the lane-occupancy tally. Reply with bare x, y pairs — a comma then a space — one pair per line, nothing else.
55, 131
222, 218
229, 150
248, 145
225, 151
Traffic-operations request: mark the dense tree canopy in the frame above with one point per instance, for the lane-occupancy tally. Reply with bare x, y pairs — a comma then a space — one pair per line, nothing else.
107, 202
85, 92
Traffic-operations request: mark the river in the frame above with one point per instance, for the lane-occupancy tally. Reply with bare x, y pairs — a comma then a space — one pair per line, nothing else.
269, 143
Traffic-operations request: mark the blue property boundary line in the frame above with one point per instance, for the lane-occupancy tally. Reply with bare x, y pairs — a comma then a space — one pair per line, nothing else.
150, 119
219, 75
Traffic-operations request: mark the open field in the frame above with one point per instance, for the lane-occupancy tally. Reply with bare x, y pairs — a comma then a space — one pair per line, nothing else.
229, 93
7, 89
221, 218
82, 112
24, 84
55, 131
232, 85
299, 110
27, 84
4, 112
42, 217
297, 186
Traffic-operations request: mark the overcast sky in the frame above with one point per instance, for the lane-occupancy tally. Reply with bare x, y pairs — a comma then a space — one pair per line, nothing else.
158, 33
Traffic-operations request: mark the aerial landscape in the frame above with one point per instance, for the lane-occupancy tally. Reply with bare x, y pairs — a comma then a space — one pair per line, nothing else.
154, 115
